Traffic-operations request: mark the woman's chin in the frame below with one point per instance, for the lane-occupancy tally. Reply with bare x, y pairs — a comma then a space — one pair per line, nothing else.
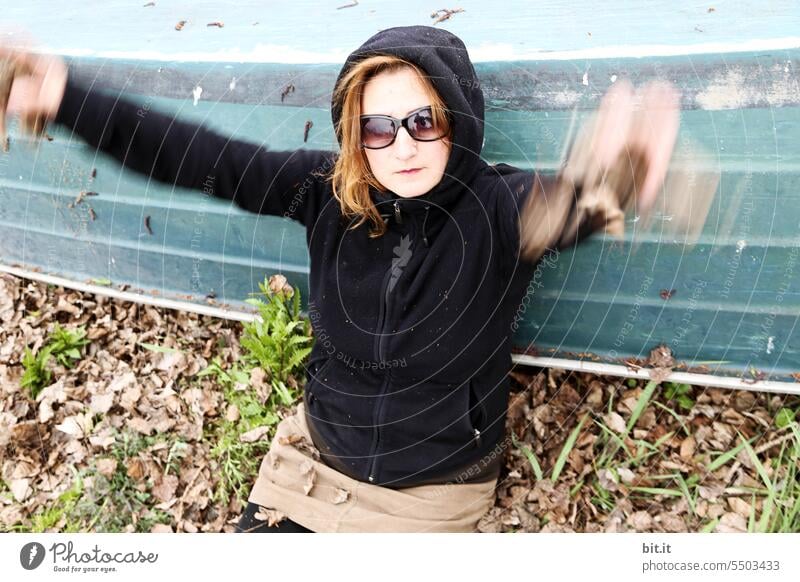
411, 190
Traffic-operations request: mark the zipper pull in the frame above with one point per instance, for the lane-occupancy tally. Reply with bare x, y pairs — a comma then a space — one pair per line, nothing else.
397, 215
477, 437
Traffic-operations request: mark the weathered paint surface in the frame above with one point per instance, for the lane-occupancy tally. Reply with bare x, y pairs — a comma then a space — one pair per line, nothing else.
310, 31
732, 298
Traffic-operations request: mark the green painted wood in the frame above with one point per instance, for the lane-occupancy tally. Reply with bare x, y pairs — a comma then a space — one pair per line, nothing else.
734, 296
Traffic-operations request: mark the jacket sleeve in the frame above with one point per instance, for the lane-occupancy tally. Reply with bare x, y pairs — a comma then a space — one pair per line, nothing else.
524, 196
539, 213
280, 183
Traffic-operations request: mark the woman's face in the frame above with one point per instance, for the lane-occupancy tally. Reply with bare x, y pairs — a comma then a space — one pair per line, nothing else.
398, 93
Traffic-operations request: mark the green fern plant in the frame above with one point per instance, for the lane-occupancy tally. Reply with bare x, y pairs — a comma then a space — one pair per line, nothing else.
279, 340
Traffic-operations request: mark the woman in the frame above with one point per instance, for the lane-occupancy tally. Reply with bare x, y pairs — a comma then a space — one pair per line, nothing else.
420, 254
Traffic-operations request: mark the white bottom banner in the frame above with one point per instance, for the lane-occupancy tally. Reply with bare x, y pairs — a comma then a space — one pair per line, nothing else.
374, 557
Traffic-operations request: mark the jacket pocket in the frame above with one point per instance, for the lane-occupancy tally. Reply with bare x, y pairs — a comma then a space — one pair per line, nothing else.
477, 413
315, 371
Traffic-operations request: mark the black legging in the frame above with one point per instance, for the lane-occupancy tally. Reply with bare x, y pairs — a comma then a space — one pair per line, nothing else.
249, 524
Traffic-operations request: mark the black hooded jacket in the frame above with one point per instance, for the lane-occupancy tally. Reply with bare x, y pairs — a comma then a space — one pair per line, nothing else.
408, 380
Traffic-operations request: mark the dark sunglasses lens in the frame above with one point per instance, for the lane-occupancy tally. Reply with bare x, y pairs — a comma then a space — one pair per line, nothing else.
376, 132
422, 126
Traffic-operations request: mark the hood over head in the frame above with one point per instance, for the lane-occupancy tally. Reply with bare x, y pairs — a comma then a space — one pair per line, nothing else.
443, 57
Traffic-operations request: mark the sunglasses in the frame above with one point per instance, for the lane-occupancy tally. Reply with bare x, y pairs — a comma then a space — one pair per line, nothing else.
380, 131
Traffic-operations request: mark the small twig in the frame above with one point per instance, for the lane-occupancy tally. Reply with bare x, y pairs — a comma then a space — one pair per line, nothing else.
217, 23
147, 225
353, 3
286, 90
309, 125
763, 448
97, 515
445, 14
80, 197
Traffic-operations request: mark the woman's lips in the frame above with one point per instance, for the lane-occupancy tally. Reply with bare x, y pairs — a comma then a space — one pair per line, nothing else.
409, 172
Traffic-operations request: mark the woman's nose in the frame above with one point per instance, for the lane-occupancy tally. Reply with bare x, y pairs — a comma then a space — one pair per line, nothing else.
405, 146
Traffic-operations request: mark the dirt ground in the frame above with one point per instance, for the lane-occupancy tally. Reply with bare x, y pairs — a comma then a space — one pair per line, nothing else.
121, 441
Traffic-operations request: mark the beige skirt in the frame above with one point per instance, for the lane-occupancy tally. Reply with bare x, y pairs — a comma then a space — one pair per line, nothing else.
293, 482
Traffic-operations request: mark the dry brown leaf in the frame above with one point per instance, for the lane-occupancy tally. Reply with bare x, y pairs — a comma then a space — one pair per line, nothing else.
710, 492
135, 468
130, 396
626, 475
258, 381
20, 489
172, 363
76, 426
232, 413
123, 383
688, 447
731, 523
301, 444
740, 506
165, 489
671, 522
106, 467
254, 435
307, 469
101, 403
607, 479
340, 496
271, 516
141, 425
615, 422
661, 363
640, 521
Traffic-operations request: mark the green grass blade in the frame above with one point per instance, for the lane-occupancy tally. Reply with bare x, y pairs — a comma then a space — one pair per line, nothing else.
642, 403
562, 457
762, 472
658, 491
531, 456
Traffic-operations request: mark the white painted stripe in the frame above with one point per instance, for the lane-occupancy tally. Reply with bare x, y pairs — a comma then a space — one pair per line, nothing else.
644, 374
489, 52
129, 295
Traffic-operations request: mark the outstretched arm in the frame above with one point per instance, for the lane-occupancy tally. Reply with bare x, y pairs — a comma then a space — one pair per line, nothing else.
189, 155
171, 151
618, 160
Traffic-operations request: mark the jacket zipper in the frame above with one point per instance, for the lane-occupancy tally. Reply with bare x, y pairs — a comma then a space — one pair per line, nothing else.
379, 342
397, 214
476, 433
373, 469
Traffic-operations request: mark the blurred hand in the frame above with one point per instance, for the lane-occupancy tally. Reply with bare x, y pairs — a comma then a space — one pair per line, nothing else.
31, 86
627, 145
618, 160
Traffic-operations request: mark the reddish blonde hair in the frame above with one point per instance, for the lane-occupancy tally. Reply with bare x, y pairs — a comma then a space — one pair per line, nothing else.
351, 176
